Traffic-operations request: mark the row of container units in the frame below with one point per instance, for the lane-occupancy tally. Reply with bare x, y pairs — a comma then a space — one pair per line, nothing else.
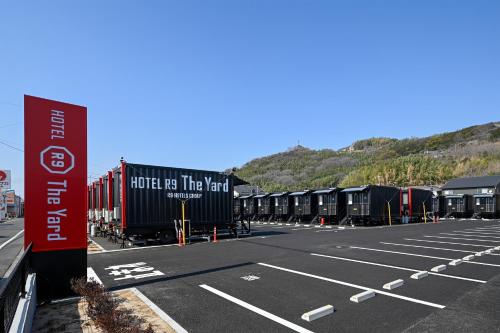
357, 205
472, 196
155, 201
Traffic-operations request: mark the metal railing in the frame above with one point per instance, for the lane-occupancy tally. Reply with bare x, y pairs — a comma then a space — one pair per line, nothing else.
12, 289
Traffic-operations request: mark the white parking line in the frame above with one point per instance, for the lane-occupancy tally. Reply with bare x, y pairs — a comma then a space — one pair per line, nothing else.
467, 235
91, 274
441, 242
428, 247
398, 267
483, 230
469, 239
257, 310
138, 248
96, 244
423, 256
352, 285
475, 232
10, 240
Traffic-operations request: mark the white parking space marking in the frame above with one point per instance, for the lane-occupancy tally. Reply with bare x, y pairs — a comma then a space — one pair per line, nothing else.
468, 239
476, 232
352, 285
421, 255
428, 247
468, 235
10, 240
136, 271
91, 275
398, 267
441, 242
257, 310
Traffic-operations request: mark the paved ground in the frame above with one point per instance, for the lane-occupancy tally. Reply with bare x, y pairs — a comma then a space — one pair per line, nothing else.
11, 242
265, 283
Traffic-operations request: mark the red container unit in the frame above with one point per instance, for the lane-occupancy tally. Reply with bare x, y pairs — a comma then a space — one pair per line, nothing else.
107, 197
414, 203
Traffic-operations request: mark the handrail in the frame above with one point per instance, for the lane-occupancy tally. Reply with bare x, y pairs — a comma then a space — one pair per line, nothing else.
13, 289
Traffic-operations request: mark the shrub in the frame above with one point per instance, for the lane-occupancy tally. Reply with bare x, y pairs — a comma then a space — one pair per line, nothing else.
103, 309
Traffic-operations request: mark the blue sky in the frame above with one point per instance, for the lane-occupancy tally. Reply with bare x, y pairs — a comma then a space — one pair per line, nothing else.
214, 84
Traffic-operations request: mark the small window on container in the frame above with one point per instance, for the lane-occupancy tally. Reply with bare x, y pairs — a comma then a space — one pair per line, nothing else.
296, 201
478, 201
449, 202
320, 200
276, 202
259, 202
405, 198
244, 203
349, 199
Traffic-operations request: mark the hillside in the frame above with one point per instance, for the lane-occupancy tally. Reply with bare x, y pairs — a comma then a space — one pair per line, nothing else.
472, 151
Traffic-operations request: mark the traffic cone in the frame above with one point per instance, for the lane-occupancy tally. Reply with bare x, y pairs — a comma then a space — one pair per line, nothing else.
215, 234
322, 221
180, 238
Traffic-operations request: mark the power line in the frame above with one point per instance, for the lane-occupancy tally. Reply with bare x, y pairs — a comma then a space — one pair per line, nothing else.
6, 144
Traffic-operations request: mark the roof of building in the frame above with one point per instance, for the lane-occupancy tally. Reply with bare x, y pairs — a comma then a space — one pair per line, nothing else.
298, 193
355, 189
473, 182
246, 197
279, 194
325, 191
261, 195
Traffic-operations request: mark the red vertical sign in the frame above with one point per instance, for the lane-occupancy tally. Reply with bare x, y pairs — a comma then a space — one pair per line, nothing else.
55, 164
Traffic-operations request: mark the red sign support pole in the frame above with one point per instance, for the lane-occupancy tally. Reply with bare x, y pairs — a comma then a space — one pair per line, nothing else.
55, 155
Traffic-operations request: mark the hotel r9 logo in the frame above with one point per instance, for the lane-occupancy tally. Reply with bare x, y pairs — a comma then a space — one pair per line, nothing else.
57, 159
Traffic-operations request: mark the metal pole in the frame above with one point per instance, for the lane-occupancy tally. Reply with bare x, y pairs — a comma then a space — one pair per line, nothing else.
183, 225
389, 207
425, 214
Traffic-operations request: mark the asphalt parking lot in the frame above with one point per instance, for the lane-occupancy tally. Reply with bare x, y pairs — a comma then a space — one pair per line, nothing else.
265, 283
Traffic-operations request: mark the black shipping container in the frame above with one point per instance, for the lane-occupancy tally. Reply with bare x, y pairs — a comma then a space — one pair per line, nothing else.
152, 199
369, 204
459, 205
248, 206
264, 207
438, 205
304, 205
412, 203
237, 208
487, 205
281, 205
331, 204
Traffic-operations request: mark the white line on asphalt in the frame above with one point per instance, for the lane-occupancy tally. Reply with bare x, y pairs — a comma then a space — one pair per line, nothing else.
329, 230
91, 274
441, 242
473, 233
97, 244
10, 240
352, 285
428, 247
423, 256
257, 310
470, 239
140, 248
169, 320
397, 267
467, 235
462, 233
483, 230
